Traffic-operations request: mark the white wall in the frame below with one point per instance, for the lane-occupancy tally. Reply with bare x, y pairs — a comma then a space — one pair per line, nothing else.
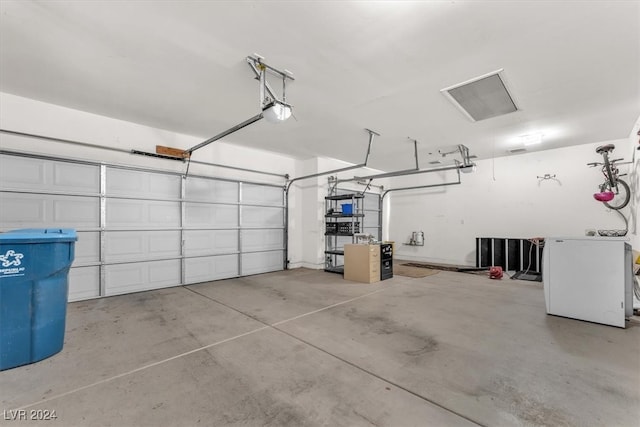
309, 251
503, 198
303, 213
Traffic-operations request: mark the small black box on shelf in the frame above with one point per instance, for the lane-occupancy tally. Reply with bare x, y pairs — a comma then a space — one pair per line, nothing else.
345, 227
331, 227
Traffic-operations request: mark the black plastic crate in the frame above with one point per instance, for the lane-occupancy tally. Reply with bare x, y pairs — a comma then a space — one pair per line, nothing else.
346, 227
331, 227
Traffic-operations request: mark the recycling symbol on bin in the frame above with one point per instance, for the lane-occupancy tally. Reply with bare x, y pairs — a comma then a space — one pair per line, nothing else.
11, 258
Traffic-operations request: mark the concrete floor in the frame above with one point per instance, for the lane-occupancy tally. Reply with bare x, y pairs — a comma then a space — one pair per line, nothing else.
306, 348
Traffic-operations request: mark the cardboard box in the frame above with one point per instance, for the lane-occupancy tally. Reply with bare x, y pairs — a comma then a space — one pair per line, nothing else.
362, 263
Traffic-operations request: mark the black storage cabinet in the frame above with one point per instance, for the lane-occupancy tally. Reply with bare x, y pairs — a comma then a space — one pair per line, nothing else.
386, 261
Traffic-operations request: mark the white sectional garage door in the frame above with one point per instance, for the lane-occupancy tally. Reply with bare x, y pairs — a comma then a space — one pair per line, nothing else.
140, 229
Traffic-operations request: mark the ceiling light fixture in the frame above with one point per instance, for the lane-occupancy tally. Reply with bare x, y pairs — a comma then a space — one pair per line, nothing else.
529, 139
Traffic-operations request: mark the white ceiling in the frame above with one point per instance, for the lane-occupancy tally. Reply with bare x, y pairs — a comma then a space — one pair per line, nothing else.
573, 68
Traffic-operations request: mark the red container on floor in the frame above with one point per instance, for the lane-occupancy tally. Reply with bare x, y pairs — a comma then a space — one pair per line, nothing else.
495, 273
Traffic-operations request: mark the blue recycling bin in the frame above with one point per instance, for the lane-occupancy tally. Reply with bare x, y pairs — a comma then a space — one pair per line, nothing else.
34, 267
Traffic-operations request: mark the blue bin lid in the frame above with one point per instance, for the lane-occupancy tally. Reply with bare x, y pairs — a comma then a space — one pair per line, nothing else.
39, 235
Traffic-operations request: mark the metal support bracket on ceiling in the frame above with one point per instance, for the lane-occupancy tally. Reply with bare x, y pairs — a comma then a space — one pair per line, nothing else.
361, 165
389, 174
259, 68
463, 150
417, 187
465, 165
333, 183
273, 108
368, 184
464, 153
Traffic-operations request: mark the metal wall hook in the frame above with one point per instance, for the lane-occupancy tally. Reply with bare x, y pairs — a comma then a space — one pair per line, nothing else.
547, 176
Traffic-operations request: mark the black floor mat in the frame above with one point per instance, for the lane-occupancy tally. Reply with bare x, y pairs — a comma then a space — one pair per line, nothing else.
456, 268
531, 275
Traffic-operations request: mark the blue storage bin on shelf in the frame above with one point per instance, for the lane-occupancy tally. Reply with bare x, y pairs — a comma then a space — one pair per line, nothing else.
347, 208
34, 267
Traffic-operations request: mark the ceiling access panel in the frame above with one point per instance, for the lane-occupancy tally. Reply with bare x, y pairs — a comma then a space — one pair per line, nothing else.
482, 97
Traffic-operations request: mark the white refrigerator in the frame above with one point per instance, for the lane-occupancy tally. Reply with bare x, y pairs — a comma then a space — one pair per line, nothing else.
588, 278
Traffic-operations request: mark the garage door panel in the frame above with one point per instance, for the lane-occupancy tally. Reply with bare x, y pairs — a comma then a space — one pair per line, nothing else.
21, 172
210, 216
141, 276
140, 245
36, 174
262, 195
211, 190
142, 213
254, 216
87, 248
258, 240
122, 182
21, 210
262, 262
84, 283
118, 245
164, 214
76, 211
43, 210
76, 177
210, 242
164, 243
205, 269
124, 278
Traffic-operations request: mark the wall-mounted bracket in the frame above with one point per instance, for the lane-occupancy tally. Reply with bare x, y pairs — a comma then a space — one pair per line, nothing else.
267, 94
463, 150
546, 176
